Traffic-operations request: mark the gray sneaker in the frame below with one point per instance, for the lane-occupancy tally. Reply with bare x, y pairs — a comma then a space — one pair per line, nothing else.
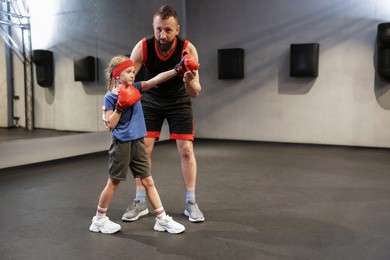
193, 212
135, 210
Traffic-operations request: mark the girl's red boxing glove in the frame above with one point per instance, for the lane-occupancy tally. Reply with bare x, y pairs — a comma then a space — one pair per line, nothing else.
127, 96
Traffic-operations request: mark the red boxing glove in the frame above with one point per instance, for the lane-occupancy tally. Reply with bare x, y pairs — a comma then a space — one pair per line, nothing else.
187, 63
127, 96
190, 62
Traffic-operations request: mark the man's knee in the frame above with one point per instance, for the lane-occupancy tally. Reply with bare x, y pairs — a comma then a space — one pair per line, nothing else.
186, 150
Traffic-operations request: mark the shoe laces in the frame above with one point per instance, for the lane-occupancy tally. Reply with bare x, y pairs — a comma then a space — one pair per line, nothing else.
133, 205
101, 220
192, 204
105, 221
165, 220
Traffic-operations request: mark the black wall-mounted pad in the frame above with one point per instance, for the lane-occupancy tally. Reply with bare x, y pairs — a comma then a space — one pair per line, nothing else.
383, 51
383, 35
383, 63
304, 59
231, 63
44, 67
84, 69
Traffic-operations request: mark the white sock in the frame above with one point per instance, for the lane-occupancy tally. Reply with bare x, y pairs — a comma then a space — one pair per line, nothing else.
160, 213
101, 212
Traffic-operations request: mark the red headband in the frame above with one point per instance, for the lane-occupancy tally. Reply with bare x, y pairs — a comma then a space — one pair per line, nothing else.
121, 67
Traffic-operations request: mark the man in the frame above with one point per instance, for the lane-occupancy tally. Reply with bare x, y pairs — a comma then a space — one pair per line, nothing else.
171, 100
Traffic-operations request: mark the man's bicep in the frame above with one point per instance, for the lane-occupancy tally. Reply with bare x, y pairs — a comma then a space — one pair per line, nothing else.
137, 56
192, 50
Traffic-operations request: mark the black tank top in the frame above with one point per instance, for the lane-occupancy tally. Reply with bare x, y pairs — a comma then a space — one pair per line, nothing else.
174, 87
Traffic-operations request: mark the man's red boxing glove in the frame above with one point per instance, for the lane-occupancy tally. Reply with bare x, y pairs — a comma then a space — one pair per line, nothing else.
187, 63
190, 62
127, 96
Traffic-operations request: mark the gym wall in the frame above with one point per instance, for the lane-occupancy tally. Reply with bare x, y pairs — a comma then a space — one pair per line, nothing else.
345, 105
103, 30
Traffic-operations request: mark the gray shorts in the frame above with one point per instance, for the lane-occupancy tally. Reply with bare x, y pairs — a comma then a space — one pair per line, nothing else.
125, 155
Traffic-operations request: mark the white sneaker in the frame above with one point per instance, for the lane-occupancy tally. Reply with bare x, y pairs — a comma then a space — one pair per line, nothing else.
169, 225
104, 225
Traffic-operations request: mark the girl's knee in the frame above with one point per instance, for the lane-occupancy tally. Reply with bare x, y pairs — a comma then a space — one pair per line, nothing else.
148, 182
112, 183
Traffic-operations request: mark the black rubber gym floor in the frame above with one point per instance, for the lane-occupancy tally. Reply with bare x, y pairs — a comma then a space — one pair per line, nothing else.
260, 200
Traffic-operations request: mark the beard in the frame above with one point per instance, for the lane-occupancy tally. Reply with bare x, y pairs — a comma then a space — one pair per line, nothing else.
164, 47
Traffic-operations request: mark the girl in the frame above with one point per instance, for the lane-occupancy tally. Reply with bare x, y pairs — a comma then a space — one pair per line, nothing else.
124, 117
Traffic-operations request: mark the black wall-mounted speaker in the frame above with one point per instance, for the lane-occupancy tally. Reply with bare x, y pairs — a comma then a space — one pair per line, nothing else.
304, 59
44, 67
84, 69
383, 51
231, 63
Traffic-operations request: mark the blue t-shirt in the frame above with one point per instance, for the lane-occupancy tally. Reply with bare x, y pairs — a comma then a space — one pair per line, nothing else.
131, 125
